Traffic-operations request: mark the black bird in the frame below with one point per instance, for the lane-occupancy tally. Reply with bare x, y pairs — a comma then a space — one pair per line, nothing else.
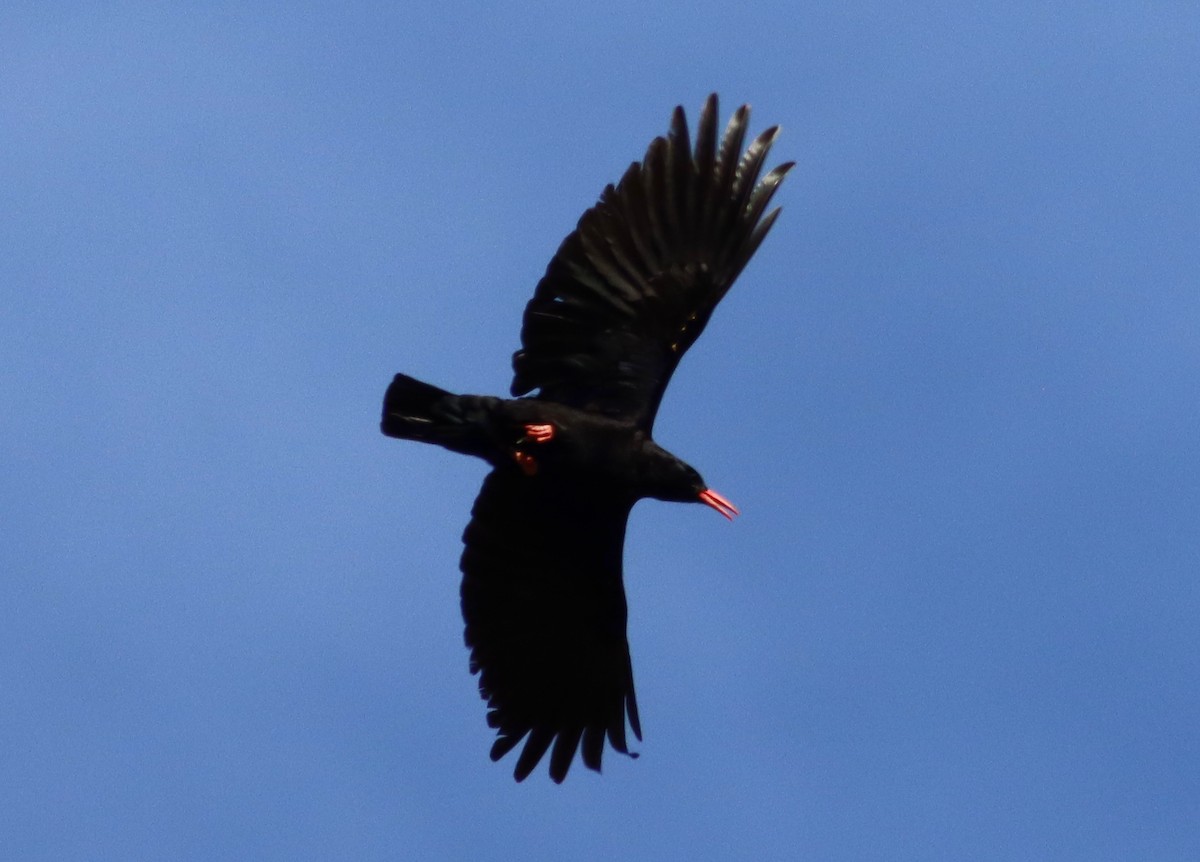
627, 293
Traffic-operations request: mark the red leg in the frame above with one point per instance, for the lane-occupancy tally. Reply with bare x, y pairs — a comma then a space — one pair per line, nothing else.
527, 463
540, 433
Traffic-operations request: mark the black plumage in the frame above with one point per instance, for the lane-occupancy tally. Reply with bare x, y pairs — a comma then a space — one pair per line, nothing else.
625, 296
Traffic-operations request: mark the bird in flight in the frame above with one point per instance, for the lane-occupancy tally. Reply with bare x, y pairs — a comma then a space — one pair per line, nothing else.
625, 296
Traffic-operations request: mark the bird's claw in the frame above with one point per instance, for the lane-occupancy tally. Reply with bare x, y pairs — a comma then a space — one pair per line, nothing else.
539, 433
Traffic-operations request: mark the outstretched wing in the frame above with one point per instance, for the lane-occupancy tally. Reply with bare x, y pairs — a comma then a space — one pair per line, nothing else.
544, 607
635, 283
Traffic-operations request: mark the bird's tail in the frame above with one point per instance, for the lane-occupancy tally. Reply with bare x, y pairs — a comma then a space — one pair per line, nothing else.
409, 407
413, 410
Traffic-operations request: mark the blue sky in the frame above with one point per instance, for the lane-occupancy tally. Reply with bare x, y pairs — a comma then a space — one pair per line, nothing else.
956, 395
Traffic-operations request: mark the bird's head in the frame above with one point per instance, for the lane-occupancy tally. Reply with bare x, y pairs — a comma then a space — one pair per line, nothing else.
665, 477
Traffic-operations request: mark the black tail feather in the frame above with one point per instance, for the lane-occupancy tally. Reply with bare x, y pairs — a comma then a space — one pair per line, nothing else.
413, 410
409, 408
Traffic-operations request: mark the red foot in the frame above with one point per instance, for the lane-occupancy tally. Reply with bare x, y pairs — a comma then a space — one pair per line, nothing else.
540, 433
527, 463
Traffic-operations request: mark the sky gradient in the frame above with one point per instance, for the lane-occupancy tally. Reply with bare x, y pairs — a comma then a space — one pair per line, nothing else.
956, 396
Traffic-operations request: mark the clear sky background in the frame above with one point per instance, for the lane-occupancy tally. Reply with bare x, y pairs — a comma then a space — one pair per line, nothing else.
957, 396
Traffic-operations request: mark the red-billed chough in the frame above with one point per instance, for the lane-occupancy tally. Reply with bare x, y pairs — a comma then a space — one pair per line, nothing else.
627, 293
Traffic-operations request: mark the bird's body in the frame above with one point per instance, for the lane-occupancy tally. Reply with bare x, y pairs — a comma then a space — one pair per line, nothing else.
581, 447
625, 296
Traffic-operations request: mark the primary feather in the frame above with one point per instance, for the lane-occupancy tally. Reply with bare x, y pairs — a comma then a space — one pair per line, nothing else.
632, 287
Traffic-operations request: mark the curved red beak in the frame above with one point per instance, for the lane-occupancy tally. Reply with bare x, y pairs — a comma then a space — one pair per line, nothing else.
711, 498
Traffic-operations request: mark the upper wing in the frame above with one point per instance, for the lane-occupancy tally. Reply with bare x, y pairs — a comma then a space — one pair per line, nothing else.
634, 284
545, 614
